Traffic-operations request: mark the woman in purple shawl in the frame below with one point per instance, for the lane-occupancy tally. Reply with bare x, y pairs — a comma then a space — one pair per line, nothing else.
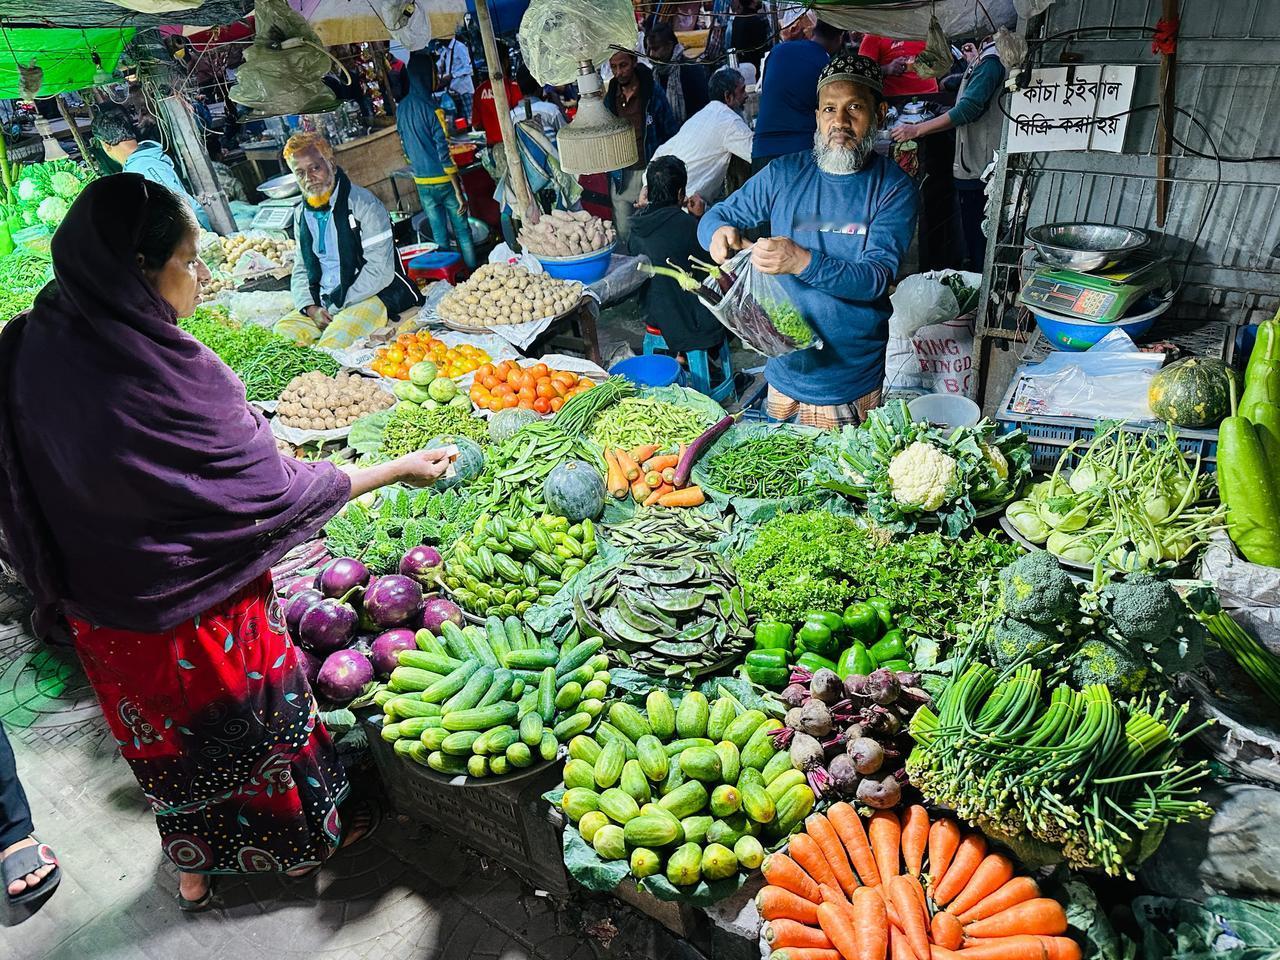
145, 500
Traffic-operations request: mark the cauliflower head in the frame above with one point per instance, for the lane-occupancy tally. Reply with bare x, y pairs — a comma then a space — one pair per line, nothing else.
52, 210
996, 460
65, 184
921, 475
28, 192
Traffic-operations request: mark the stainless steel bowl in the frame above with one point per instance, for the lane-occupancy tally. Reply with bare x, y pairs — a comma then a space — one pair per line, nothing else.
1087, 247
281, 187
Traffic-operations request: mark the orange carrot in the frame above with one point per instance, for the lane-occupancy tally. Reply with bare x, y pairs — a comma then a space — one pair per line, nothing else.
805, 851
885, 834
831, 894
688, 497
944, 837
775, 903
946, 930
669, 475
837, 922
658, 493
653, 479
993, 872
910, 910
853, 834
939, 952
1021, 947
640, 491
915, 834
871, 925
890, 910
1042, 916
806, 953
819, 827
968, 856
617, 483
630, 469
788, 933
900, 945
1015, 891
663, 461
781, 871
643, 452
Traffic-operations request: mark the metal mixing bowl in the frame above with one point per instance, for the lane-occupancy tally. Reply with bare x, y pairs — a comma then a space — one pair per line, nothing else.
281, 187
1086, 247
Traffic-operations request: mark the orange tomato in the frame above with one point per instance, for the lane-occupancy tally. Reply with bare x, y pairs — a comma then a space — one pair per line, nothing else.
484, 370
395, 354
565, 377
546, 389
542, 405
586, 383
556, 403
540, 370
526, 393
504, 390
486, 380
526, 404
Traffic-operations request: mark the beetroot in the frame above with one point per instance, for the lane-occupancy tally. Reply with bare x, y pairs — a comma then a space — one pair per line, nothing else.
795, 694
866, 755
880, 794
826, 686
815, 718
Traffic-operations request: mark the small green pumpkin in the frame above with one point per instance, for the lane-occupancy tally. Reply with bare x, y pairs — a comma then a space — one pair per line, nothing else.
467, 467
1195, 392
574, 490
506, 422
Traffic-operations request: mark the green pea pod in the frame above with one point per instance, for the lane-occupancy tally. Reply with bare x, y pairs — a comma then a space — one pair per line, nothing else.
862, 622
892, 646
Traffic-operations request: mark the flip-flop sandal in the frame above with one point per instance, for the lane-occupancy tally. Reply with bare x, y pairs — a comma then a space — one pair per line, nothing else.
365, 818
200, 904
15, 866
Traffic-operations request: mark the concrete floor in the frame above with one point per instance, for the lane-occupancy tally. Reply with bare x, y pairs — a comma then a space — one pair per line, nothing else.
407, 893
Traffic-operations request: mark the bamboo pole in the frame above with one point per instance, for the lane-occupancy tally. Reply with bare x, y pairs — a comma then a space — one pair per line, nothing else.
510, 147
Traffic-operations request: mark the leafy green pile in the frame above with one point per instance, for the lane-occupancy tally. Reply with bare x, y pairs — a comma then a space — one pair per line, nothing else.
263, 360
402, 518
412, 428
824, 561
913, 474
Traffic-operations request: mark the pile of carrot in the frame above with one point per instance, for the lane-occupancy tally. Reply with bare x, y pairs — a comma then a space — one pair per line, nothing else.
903, 889
649, 476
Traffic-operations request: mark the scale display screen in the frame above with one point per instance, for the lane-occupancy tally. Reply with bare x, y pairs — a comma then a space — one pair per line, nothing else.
1071, 299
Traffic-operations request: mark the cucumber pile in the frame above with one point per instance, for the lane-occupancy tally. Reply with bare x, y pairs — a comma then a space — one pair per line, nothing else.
690, 790
504, 565
486, 701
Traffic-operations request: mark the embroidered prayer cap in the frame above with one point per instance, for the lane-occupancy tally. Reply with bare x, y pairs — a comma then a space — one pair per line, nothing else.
852, 68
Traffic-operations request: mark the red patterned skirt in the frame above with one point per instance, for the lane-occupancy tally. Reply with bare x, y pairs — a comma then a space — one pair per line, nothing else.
218, 723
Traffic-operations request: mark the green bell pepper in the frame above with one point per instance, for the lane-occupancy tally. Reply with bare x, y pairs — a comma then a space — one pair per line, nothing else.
892, 646
771, 635
832, 621
768, 668
884, 610
816, 638
862, 622
814, 662
897, 666
855, 661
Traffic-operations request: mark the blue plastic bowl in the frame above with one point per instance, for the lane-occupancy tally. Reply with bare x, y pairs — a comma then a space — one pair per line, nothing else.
651, 370
1065, 333
587, 268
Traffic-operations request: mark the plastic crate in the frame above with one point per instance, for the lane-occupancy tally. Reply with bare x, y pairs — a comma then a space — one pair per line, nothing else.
503, 818
1050, 436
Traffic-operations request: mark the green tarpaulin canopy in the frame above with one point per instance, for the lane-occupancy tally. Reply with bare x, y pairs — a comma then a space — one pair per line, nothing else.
66, 56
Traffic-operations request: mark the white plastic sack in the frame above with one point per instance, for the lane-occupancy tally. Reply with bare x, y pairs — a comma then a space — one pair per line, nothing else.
1250, 592
555, 35
407, 22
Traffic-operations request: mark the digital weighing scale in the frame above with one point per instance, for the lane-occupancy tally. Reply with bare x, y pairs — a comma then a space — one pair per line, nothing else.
1104, 297
275, 214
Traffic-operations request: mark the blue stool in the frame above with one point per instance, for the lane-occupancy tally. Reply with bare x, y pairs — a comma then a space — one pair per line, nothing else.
699, 366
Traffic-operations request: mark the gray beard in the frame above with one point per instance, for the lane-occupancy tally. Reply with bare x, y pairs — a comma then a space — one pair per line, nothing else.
842, 160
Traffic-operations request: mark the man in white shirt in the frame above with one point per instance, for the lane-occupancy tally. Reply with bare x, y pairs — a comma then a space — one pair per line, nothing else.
712, 137
454, 63
531, 102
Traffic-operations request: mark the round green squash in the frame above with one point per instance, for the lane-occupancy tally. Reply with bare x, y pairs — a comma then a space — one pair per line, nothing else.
1195, 392
467, 467
506, 422
575, 491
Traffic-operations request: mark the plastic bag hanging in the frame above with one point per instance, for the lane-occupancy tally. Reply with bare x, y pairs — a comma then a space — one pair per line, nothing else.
935, 60
277, 81
755, 307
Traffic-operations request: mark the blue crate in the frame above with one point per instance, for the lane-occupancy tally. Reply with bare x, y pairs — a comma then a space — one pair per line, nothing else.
1050, 436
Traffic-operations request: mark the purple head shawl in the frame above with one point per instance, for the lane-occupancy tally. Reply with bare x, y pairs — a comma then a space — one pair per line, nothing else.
137, 487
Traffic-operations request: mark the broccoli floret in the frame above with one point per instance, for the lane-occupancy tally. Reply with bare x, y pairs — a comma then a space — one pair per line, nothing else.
1112, 662
1012, 641
1145, 609
1038, 591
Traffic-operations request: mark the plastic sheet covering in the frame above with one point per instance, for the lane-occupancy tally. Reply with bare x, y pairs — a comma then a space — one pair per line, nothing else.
959, 18
555, 35
277, 82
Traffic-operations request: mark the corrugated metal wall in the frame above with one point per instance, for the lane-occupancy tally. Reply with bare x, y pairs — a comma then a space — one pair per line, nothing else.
1222, 219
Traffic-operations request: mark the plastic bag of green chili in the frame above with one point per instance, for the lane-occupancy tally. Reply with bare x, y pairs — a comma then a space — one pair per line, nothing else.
756, 307
756, 470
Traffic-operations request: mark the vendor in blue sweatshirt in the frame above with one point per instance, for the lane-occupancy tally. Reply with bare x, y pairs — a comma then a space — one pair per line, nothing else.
840, 218
119, 136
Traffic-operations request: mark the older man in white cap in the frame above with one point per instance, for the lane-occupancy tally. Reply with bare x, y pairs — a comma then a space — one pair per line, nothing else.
784, 120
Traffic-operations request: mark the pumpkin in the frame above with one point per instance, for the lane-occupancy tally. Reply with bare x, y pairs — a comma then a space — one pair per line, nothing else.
1195, 392
506, 422
467, 467
575, 491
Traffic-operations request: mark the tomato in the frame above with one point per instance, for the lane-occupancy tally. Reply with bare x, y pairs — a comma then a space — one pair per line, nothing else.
526, 404
486, 380
526, 393
542, 405
565, 377
545, 389
540, 370
504, 390
395, 354
402, 371
556, 403
586, 383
